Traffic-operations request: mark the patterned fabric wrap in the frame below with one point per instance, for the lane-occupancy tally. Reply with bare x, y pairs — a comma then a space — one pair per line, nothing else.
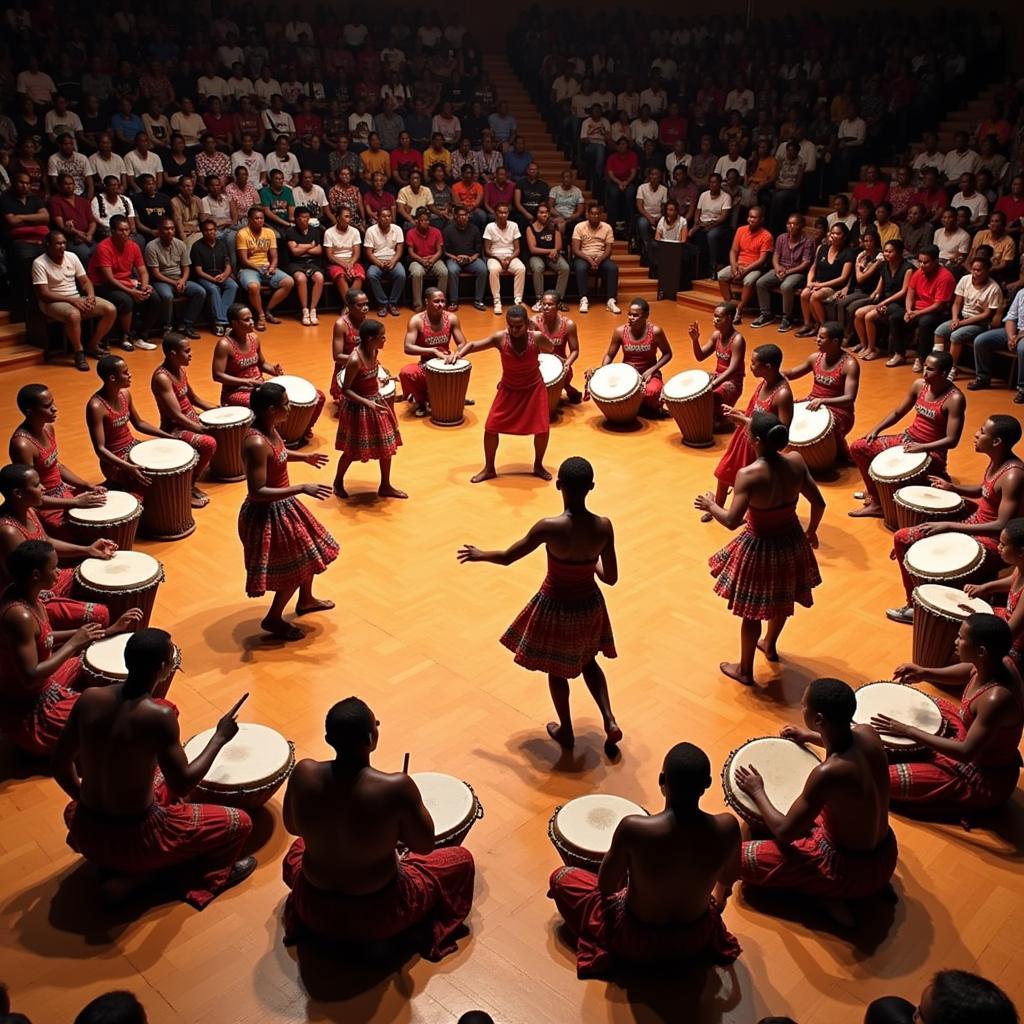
365, 434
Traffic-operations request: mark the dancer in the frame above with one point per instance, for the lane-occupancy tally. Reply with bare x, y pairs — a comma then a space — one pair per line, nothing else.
730, 350
566, 625
345, 335
367, 427
429, 335
284, 545
770, 566
521, 405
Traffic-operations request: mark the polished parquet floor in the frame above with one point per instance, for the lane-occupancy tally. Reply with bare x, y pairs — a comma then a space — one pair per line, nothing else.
415, 634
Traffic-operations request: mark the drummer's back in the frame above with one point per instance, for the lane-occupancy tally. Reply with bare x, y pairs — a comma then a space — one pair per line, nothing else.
856, 814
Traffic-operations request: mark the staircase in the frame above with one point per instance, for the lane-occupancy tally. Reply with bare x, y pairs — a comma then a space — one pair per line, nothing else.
633, 279
14, 348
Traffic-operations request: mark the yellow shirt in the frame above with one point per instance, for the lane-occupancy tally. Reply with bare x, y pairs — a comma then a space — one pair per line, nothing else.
887, 232
374, 162
257, 250
433, 156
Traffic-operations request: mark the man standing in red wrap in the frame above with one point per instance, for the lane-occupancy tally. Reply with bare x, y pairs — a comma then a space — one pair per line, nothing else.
939, 409
348, 882
651, 902
429, 336
123, 816
835, 842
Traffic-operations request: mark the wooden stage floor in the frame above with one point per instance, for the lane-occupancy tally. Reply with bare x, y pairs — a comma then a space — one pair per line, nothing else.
415, 634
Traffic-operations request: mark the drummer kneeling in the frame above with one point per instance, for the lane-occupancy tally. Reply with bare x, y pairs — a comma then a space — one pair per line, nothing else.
652, 899
349, 883
129, 821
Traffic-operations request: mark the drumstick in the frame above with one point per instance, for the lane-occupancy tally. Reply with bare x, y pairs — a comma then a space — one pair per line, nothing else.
405, 764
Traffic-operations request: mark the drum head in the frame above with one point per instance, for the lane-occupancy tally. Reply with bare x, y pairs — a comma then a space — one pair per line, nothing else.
895, 463
163, 453
300, 391
224, 416
589, 822
119, 505
948, 600
614, 381
686, 384
255, 754
449, 800
107, 656
387, 390
904, 704
127, 570
383, 376
551, 367
952, 553
440, 366
928, 499
808, 426
783, 764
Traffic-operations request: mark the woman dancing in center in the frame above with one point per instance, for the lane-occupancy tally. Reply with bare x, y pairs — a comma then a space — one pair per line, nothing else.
770, 566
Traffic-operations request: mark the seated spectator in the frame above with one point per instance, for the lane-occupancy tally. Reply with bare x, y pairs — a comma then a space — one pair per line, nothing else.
684, 192
503, 126
488, 159
167, 261
651, 197
411, 199
144, 219
276, 120
220, 209
177, 162
345, 195
212, 269
305, 264
517, 159
71, 213
673, 229
859, 289
186, 211
256, 250
544, 246
592, 241
126, 126
1012, 207
502, 243
442, 206
929, 295
210, 160
425, 248
447, 125
970, 197
283, 159
622, 169
951, 998
831, 270
672, 128
462, 155
254, 162
26, 222
961, 159
929, 158
732, 161
593, 142
436, 153
309, 196
531, 191
219, 124
141, 160
850, 138
105, 162
67, 160
156, 126
500, 190
374, 160
377, 199
841, 212
677, 155
932, 196
119, 275
885, 227
1004, 249
865, 222
887, 301
702, 166
953, 243
870, 187
65, 293
404, 159
383, 245
342, 245
566, 203
643, 127
901, 195
278, 202
711, 232
916, 232
749, 258
792, 257
762, 170
468, 192
243, 195
977, 303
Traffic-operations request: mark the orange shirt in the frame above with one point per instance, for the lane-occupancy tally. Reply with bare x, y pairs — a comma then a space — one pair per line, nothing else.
750, 246
467, 195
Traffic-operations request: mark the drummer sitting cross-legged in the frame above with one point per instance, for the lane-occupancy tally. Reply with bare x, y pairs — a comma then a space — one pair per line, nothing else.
34, 443
428, 336
178, 404
651, 902
835, 842
121, 761
939, 410
998, 499
348, 881
563, 337
729, 348
975, 763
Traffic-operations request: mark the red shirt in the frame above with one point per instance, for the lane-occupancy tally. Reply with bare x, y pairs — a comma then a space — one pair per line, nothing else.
375, 203
1013, 208
308, 124
934, 202
405, 160
671, 130
928, 291
122, 262
219, 126
424, 245
620, 164
876, 192
494, 195
74, 211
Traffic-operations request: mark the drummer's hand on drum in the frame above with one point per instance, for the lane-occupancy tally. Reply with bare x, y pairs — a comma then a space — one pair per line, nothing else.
90, 499
85, 635
796, 734
319, 491
976, 590
126, 623
102, 548
275, 371
933, 529
749, 780
908, 672
444, 355
318, 459
939, 484
137, 475
913, 448
883, 723
814, 404
469, 553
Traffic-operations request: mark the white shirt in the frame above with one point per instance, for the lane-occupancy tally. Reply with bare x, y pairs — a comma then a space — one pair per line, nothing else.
952, 244
190, 126
741, 100
975, 300
253, 162
122, 207
977, 204
671, 232
360, 126
656, 100
563, 88
808, 154
212, 85
59, 164
502, 242
239, 87
383, 246
137, 164
278, 123
629, 102
343, 241
710, 208
287, 165
673, 160
923, 160
60, 278
314, 197
294, 29
218, 209
652, 200
354, 35
594, 130
954, 164
849, 220
114, 164
852, 131
449, 127
265, 88
56, 124
643, 130
230, 55
726, 164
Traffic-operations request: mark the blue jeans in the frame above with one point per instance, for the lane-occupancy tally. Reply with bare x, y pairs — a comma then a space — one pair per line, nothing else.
997, 340
610, 270
194, 299
644, 233
620, 203
479, 271
248, 277
593, 154
395, 278
221, 296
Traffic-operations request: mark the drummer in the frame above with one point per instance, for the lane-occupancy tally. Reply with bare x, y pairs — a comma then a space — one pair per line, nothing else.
939, 409
975, 764
34, 443
177, 402
836, 382
1011, 551
561, 333
367, 427
770, 567
645, 347
773, 395
108, 414
345, 335
565, 626
429, 335
1000, 498
835, 842
730, 351
121, 761
635, 909
39, 666
521, 404
347, 882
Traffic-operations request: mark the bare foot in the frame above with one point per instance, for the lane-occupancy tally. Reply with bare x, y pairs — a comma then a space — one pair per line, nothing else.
339, 490
541, 472
613, 734
840, 912
566, 740
200, 499
872, 510
280, 628
317, 605
771, 653
733, 670
391, 492
485, 474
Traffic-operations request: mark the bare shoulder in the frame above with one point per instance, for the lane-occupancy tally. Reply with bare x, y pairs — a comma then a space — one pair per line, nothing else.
727, 825
16, 618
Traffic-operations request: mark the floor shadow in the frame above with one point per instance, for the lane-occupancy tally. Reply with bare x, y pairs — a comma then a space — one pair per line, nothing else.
637, 426
17, 766
981, 831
